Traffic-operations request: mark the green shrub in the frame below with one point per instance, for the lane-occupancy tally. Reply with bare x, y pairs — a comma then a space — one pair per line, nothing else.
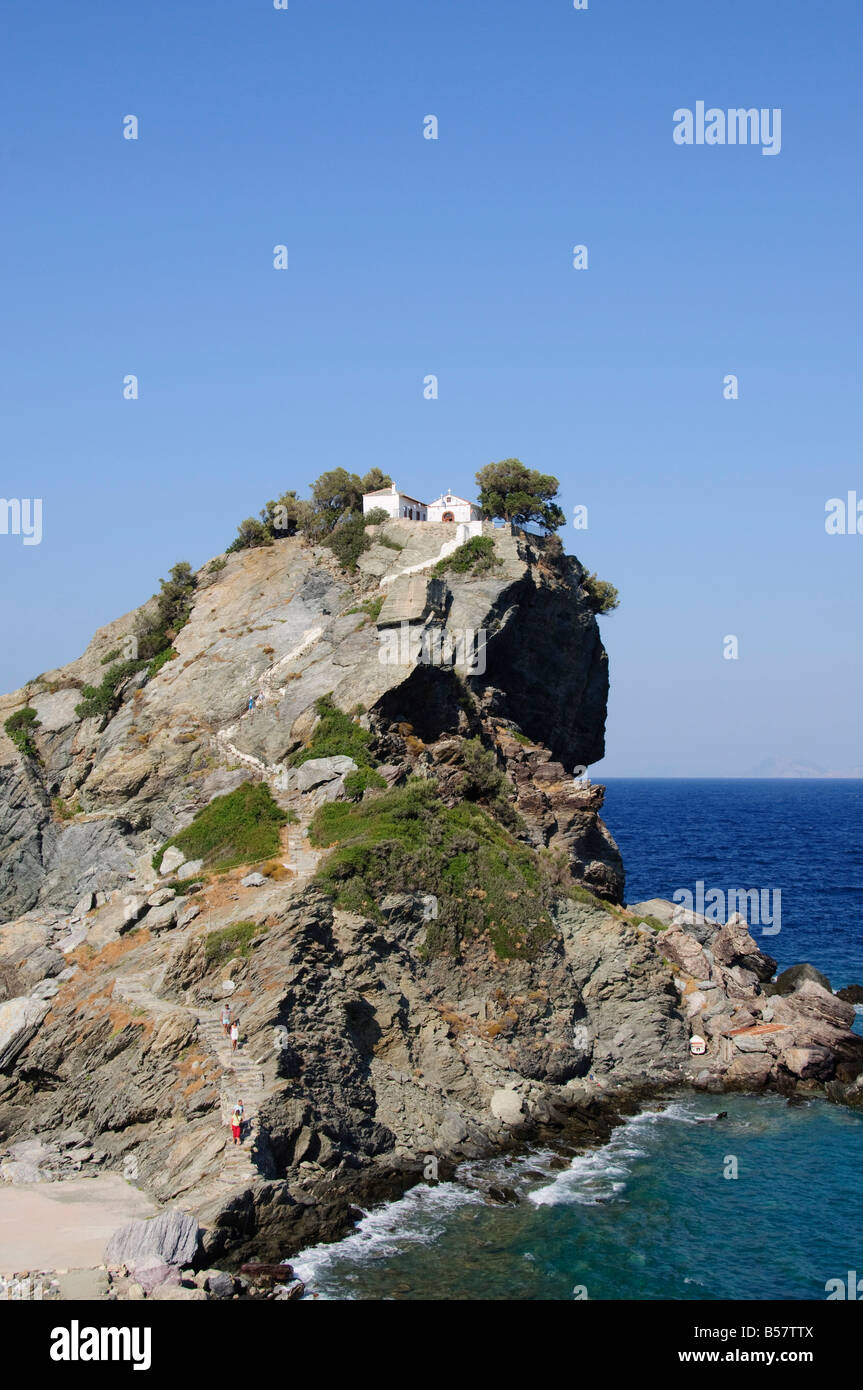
477, 556
155, 666
348, 540
65, 810
407, 840
602, 596
647, 920
238, 828
101, 701
335, 734
356, 783
20, 727
112, 656
235, 940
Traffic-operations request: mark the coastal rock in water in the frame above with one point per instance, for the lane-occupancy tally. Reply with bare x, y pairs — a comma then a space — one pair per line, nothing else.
792, 978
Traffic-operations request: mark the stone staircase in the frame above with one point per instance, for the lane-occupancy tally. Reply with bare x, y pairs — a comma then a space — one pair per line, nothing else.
242, 1079
301, 857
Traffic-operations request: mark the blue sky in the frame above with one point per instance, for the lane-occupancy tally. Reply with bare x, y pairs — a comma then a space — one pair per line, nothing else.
453, 257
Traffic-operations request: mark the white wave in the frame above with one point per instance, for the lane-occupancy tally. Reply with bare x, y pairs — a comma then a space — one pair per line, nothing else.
600, 1175
417, 1218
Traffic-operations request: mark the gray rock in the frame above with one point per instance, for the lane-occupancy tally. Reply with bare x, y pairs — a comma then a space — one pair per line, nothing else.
254, 880
163, 918
19, 1020
151, 1272
171, 861
84, 905
161, 896
190, 869
46, 989
172, 1236
218, 1283
133, 910
319, 770
507, 1106
792, 978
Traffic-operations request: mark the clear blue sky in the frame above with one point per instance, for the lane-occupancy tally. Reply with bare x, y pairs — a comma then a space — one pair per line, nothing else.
453, 257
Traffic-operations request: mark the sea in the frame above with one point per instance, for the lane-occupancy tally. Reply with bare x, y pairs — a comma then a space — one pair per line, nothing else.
677, 1205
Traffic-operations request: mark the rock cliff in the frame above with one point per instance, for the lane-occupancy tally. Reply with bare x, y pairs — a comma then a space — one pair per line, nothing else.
388, 1021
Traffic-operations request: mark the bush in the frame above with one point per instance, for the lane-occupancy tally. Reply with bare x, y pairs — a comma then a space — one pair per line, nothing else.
158, 662
349, 540
357, 783
335, 734
239, 828
250, 534
20, 727
101, 701
235, 940
602, 596
407, 841
476, 556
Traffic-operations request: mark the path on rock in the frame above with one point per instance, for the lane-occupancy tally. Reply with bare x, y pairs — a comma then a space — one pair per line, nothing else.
242, 1080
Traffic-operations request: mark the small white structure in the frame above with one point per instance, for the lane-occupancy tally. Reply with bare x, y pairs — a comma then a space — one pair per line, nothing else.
448, 507
396, 504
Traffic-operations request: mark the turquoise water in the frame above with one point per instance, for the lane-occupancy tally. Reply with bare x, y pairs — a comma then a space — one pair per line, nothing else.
649, 1216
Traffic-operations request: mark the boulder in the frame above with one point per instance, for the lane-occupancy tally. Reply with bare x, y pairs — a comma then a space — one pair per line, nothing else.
809, 1062
172, 1236
792, 978
507, 1106
19, 1020
749, 1072
220, 1284
163, 918
83, 905
171, 861
133, 910
319, 770
161, 896
151, 1272
683, 949
733, 946
190, 869
254, 880
852, 994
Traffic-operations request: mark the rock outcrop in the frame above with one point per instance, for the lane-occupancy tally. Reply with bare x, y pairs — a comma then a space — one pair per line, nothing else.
367, 1052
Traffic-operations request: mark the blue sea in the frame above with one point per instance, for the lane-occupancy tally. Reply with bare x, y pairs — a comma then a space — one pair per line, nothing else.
661, 1211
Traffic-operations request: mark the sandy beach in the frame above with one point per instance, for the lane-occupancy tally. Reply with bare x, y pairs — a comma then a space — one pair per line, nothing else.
65, 1225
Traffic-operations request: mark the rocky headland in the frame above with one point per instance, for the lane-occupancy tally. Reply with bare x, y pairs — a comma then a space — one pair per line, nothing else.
433, 961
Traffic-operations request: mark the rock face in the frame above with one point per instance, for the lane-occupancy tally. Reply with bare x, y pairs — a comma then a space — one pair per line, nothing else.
282, 622
171, 1238
367, 1050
